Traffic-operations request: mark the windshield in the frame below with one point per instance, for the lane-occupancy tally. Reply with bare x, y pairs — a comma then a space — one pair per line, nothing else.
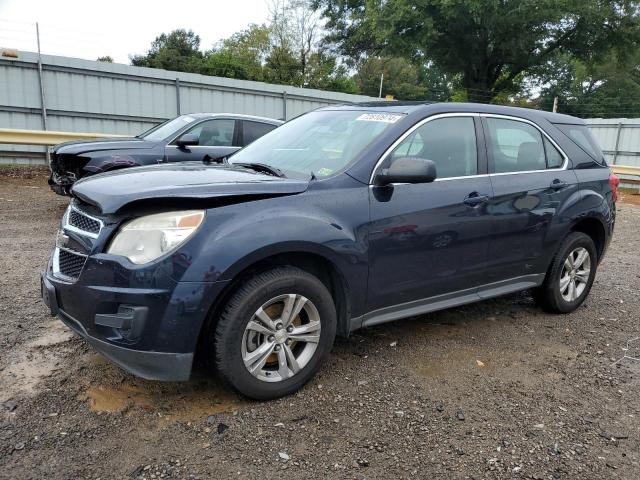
319, 143
166, 129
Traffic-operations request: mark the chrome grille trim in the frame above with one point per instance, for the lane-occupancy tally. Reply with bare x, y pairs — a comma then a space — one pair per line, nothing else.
88, 220
56, 264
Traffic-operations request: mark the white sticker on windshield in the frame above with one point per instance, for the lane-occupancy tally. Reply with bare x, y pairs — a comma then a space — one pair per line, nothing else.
188, 119
379, 117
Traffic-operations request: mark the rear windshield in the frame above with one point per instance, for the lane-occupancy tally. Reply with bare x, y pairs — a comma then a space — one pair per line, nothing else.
583, 137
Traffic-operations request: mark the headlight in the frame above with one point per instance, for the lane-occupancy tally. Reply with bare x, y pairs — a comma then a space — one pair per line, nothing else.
147, 238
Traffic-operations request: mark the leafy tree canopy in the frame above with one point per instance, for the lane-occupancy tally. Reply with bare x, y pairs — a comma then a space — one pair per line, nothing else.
178, 51
488, 43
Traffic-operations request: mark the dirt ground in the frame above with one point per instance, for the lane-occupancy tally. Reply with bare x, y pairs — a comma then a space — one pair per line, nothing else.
492, 390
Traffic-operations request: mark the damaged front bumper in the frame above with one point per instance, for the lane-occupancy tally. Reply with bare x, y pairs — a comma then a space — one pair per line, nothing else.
65, 171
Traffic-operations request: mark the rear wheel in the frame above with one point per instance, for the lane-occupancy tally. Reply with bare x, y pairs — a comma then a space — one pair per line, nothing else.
570, 275
274, 333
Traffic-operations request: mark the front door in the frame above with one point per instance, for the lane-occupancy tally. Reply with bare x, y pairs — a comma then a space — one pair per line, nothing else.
429, 240
215, 141
531, 186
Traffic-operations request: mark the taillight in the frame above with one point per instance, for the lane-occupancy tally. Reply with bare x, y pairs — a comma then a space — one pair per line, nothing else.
614, 181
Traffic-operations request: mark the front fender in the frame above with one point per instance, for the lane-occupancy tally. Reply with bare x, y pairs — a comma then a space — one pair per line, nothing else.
238, 236
109, 162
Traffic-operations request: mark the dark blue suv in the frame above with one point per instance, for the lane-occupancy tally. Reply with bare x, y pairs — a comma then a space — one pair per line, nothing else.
346, 217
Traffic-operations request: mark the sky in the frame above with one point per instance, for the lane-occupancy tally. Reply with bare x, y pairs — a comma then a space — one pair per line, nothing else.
119, 28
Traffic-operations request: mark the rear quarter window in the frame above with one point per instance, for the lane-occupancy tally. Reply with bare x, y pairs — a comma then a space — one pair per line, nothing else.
582, 136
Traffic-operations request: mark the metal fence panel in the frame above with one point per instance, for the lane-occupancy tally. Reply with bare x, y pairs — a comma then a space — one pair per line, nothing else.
86, 96
619, 139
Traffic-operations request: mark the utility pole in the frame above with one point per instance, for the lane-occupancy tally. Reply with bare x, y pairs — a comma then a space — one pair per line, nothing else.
42, 97
381, 79
555, 104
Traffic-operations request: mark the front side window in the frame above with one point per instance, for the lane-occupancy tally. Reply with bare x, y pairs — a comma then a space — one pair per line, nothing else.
319, 143
214, 133
165, 130
449, 142
519, 147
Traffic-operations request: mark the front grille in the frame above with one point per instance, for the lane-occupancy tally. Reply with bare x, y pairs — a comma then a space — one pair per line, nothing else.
83, 222
69, 263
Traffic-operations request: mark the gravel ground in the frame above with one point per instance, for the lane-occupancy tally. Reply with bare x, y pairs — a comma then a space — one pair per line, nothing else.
492, 390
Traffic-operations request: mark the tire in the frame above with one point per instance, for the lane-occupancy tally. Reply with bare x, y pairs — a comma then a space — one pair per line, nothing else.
550, 295
236, 342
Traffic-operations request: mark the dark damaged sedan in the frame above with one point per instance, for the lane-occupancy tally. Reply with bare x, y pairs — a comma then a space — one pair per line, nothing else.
193, 137
346, 217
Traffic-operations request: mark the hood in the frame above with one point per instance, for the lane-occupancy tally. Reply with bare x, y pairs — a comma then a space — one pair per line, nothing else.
113, 190
81, 147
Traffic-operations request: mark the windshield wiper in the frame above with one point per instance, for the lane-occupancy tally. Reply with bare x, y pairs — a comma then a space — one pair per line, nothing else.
262, 167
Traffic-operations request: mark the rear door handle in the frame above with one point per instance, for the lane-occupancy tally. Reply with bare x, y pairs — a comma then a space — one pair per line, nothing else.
558, 184
475, 199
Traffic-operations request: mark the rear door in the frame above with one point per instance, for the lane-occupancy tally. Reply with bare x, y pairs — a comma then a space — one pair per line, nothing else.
431, 239
217, 138
252, 130
531, 184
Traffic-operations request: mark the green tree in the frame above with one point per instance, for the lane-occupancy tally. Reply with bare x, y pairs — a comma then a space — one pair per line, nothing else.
490, 44
283, 67
401, 78
240, 56
105, 59
325, 73
178, 51
609, 87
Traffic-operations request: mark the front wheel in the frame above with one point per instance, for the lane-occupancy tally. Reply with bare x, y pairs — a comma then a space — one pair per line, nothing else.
274, 333
570, 275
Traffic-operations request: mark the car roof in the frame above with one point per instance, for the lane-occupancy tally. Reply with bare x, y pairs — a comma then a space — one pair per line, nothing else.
238, 116
427, 108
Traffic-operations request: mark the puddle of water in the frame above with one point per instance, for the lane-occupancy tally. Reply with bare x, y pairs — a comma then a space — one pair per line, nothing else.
186, 401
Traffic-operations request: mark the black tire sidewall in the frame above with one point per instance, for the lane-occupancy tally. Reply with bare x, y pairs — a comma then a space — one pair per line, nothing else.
242, 308
573, 241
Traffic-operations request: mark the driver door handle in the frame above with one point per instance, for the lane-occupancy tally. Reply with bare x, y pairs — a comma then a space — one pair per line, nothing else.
558, 184
474, 199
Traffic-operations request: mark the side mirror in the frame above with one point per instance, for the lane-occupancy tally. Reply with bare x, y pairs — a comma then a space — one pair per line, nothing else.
188, 139
407, 170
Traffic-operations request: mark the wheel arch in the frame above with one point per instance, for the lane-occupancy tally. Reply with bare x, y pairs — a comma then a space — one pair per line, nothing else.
318, 264
595, 228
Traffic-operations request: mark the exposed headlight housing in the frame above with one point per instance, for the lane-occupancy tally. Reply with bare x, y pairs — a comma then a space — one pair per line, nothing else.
147, 238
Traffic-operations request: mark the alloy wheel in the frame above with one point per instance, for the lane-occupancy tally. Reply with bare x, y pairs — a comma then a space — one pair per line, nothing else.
281, 337
575, 274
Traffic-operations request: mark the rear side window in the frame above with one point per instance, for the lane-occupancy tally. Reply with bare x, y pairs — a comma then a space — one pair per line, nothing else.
449, 142
554, 157
519, 147
582, 136
254, 130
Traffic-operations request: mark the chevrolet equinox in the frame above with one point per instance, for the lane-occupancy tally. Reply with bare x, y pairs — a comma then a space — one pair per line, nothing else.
343, 218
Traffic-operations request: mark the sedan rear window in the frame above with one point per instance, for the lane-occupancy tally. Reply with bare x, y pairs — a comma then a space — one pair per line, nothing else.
583, 137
